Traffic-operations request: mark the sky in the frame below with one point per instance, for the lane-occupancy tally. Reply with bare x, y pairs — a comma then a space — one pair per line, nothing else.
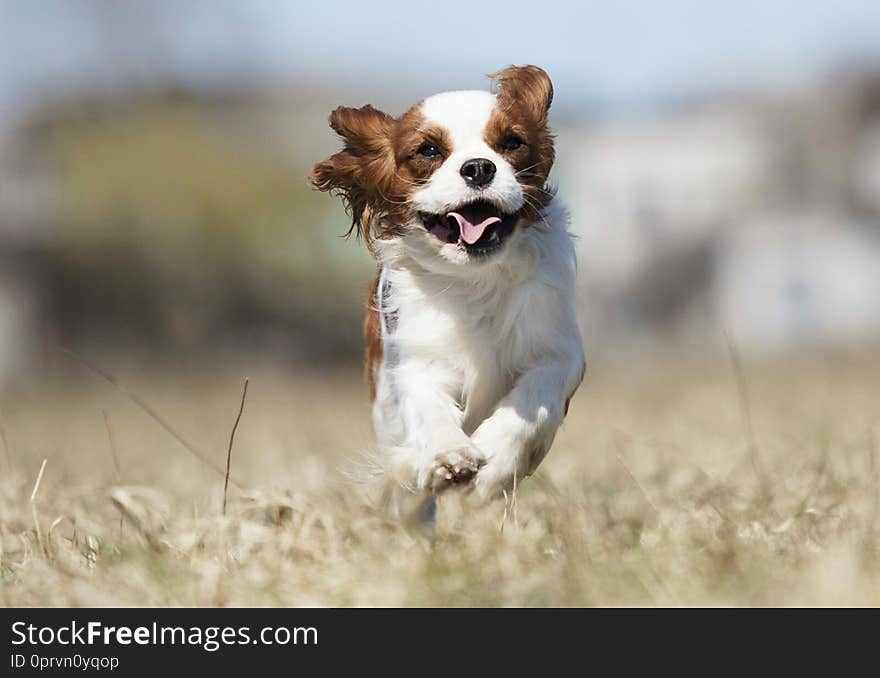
615, 53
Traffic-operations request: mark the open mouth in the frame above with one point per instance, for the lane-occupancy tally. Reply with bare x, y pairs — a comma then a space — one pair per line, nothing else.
480, 227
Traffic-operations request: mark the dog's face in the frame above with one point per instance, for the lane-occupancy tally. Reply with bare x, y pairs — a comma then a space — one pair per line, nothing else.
456, 176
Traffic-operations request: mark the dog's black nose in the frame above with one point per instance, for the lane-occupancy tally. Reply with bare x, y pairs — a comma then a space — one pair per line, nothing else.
478, 172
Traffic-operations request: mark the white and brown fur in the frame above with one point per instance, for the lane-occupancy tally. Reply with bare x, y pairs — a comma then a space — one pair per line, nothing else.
472, 349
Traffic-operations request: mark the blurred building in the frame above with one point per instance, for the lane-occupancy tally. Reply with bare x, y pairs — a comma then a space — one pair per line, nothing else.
799, 280
754, 216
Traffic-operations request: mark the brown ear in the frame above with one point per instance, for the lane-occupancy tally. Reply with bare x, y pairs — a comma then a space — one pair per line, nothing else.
361, 172
527, 85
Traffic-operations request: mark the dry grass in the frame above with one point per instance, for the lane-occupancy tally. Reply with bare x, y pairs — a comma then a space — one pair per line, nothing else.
658, 492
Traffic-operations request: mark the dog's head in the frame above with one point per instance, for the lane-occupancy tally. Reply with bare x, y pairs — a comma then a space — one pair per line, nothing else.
456, 176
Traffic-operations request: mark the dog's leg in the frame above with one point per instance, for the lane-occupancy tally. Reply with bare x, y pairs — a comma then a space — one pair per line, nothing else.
515, 438
429, 449
416, 418
417, 513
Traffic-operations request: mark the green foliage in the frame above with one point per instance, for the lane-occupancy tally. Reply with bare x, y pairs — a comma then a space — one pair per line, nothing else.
183, 220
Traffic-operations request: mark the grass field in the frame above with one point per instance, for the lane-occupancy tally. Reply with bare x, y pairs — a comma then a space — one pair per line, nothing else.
678, 484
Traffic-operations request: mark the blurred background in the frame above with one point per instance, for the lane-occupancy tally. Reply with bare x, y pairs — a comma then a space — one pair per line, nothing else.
721, 162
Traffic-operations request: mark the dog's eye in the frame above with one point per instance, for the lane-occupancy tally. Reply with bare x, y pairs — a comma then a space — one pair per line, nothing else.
512, 143
428, 150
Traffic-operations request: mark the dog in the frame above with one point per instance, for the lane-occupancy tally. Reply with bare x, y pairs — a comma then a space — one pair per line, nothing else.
473, 351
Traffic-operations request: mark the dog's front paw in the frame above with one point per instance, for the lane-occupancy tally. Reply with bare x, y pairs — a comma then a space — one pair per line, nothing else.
457, 467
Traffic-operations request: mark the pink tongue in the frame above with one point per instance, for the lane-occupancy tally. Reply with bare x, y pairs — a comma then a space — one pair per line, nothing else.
473, 221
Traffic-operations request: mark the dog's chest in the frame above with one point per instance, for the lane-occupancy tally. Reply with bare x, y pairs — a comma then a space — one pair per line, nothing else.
475, 339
